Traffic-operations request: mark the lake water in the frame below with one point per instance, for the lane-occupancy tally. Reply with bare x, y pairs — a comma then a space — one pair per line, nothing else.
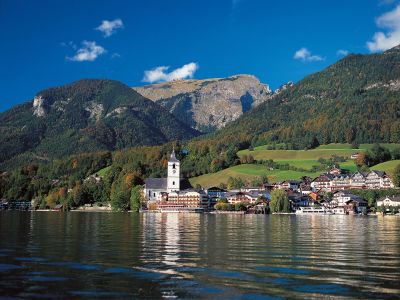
121, 255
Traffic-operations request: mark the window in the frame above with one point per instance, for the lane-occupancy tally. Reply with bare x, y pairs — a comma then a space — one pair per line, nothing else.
173, 182
154, 194
173, 166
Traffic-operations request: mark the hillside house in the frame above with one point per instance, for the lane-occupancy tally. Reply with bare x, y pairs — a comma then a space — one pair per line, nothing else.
341, 182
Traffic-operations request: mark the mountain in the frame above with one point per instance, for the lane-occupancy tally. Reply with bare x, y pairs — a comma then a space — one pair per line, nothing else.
354, 100
208, 104
87, 115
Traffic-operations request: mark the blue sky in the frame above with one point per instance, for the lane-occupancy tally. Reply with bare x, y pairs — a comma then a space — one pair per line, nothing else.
50, 43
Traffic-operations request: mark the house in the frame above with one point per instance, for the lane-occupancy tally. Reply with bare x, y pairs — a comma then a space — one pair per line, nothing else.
356, 205
154, 187
355, 155
299, 200
335, 171
322, 182
393, 201
340, 198
288, 185
215, 193
238, 197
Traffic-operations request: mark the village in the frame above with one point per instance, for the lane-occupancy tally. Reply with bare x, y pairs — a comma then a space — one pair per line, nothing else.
329, 193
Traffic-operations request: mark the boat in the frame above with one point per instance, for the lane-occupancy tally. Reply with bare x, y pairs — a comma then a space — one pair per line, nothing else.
312, 210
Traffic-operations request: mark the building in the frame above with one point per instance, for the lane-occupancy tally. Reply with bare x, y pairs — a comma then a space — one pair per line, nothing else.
378, 180
341, 182
393, 201
358, 180
357, 205
322, 182
371, 180
288, 185
215, 193
340, 198
186, 200
335, 171
154, 187
241, 197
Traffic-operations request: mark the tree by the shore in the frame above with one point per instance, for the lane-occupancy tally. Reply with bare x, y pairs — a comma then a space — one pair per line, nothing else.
279, 201
136, 199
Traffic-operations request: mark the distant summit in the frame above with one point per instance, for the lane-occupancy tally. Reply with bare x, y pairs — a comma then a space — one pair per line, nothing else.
208, 104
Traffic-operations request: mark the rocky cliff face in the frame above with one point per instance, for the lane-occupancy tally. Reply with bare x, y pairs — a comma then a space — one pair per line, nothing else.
208, 104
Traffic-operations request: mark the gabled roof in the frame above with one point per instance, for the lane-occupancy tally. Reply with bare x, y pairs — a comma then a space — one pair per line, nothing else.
379, 173
392, 198
156, 183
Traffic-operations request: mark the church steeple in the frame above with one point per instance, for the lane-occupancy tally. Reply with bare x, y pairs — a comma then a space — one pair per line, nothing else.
173, 157
173, 181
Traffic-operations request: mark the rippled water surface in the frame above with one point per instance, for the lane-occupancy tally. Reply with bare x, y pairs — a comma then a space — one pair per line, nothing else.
121, 255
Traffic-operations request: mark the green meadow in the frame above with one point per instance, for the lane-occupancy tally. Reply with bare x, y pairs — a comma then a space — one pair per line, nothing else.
305, 159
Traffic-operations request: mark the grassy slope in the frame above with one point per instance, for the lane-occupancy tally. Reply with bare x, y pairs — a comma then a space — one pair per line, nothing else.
387, 166
298, 158
103, 172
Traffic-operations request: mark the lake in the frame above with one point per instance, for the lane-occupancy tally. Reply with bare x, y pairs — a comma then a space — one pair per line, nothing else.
124, 255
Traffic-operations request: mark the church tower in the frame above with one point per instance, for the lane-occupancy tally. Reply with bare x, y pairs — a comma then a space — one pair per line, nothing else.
173, 181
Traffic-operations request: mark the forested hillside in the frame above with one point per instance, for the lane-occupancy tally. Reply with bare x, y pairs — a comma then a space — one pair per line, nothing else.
356, 100
85, 116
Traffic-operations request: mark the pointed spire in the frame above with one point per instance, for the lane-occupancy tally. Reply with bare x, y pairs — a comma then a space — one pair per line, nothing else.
173, 157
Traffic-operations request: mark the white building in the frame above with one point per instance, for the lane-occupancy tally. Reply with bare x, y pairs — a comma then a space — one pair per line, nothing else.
154, 187
393, 201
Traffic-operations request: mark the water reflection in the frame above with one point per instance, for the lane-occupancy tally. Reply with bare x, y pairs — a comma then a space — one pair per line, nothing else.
119, 255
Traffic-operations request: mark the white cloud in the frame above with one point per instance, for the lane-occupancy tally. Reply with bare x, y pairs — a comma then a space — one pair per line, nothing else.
108, 28
382, 41
342, 52
160, 73
89, 52
305, 55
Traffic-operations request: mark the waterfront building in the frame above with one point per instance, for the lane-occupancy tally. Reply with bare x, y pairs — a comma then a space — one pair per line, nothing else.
186, 200
388, 201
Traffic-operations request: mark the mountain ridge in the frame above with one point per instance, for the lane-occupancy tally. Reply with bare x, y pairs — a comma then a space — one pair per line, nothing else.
86, 115
208, 104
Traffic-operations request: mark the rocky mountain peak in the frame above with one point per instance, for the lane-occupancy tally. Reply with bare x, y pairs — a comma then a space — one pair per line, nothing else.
209, 104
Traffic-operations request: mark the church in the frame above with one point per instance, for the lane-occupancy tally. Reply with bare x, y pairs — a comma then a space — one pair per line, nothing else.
154, 188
